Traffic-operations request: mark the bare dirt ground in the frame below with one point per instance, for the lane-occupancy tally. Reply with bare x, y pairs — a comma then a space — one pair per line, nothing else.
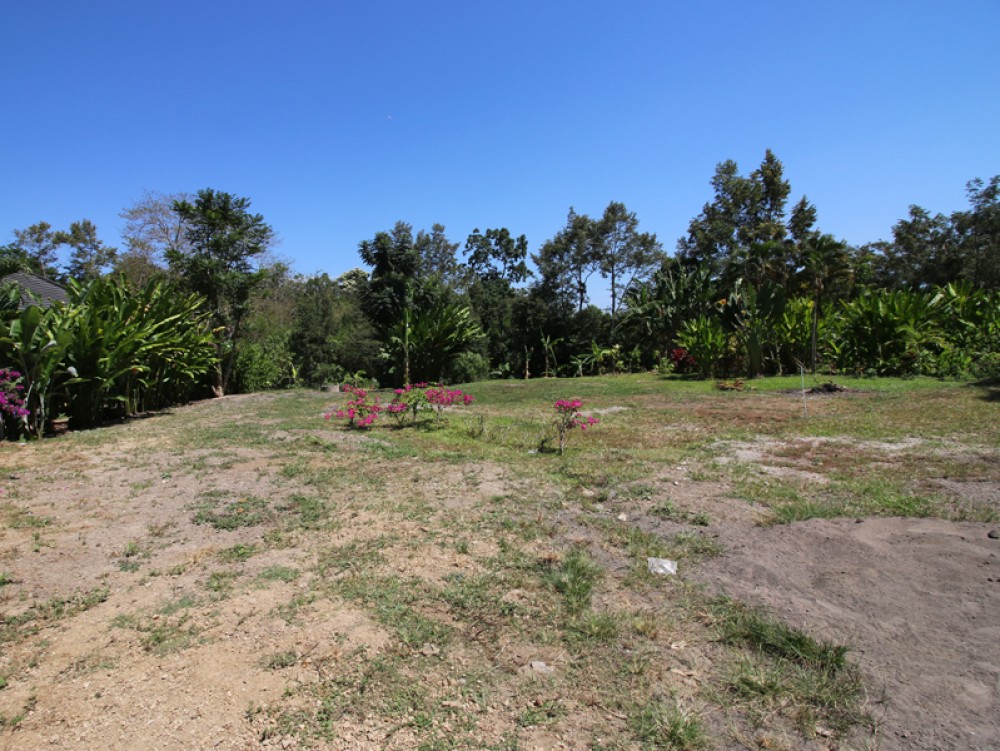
131, 622
918, 600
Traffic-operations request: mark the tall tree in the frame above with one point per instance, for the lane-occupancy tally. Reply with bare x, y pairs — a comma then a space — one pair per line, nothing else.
769, 197
390, 289
978, 232
37, 246
625, 253
745, 224
90, 256
568, 260
223, 242
436, 258
152, 229
497, 261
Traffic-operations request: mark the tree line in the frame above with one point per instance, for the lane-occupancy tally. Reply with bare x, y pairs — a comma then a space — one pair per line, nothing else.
753, 287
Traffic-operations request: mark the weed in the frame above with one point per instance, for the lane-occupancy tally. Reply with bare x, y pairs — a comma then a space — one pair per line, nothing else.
163, 637
394, 602
282, 660
661, 724
278, 573
540, 712
221, 582
667, 510
757, 629
37, 617
245, 512
185, 602
20, 518
130, 557
237, 553
784, 670
574, 579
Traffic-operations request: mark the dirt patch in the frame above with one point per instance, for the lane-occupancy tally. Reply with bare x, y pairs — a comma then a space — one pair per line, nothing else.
916, 599
213, 578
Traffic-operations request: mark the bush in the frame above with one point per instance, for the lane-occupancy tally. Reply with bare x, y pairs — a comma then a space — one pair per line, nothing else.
262, 365
468, 367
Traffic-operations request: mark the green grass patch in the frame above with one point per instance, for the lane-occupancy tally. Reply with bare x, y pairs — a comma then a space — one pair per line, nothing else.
44, 614
237, 553
248, 511
661, 725
278, 574
781, 670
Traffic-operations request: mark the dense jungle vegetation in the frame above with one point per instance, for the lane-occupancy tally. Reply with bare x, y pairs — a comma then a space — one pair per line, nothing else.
195, 302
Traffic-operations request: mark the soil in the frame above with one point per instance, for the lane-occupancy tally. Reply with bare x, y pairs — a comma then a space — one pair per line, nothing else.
918, 600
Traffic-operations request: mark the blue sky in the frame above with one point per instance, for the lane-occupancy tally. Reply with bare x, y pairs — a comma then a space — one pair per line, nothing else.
336, 119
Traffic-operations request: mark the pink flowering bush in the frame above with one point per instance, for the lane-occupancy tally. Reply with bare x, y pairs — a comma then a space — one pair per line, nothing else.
362, 410
568, 416
440, 397
11, 398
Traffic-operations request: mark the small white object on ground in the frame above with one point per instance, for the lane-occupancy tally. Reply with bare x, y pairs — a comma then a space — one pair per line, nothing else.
661, 566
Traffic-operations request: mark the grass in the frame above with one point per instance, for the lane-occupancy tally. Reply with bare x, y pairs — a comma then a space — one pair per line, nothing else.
784, 670
37, 617
661, 725
248, 511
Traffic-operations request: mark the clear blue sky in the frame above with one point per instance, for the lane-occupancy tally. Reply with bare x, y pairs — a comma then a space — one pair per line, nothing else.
336, 119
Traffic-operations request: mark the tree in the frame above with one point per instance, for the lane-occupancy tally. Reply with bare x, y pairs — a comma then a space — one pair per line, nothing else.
745, 224
152, 229
223, 241
497, 260
978, 232
825, 264
330, 336
568, 260
36, 247
90, 256
390, 288
656, 311
436, 258
802, 220
624, 253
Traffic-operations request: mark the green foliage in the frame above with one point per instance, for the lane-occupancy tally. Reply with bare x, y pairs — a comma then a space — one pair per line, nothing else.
574, 578
624, 253
218, 262
35, 345
433, 339
132, 351
90, 255
263, 365
751, 314
468, 367
662, 725
390, 290
890, 333
705, 340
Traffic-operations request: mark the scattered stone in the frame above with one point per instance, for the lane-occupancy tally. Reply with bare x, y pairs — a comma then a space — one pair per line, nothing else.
622, 517
430, 650
537, 666
993, 534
